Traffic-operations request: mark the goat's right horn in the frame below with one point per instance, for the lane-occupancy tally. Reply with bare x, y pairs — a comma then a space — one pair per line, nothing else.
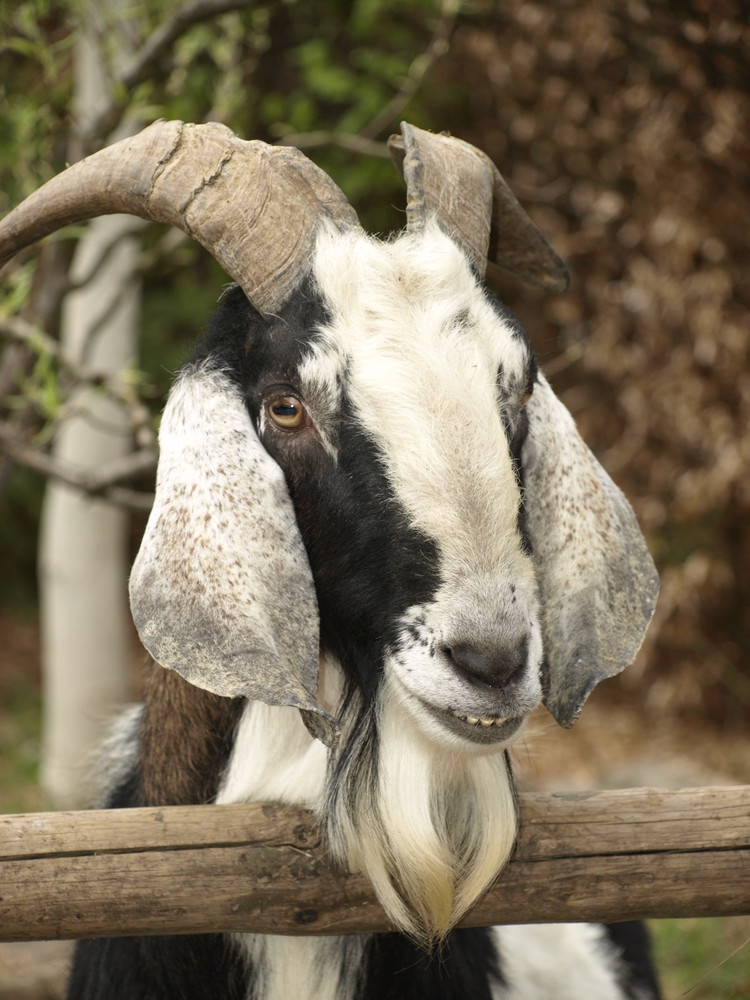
254, 207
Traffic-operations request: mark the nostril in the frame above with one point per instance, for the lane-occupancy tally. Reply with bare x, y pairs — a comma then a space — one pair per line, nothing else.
498, 668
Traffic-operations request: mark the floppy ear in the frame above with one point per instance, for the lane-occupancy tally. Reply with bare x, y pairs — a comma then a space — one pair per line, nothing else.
598, 583
221, 589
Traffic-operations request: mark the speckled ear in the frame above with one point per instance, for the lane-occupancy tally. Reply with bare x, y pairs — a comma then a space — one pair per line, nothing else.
221, 589
597, 581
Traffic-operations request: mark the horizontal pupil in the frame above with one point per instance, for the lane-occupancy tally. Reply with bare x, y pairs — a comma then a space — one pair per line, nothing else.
285, 409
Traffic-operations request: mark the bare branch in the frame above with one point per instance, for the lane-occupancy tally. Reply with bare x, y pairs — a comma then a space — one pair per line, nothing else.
364, 142
571, 354
22, 332
344, 140
420, 67
106, 482
19, 330
134, 228
145, 62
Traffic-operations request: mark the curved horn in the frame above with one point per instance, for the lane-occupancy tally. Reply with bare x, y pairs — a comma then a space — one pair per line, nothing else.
463, 187
254, 207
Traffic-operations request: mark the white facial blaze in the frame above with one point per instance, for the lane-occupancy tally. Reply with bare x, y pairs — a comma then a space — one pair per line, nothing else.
418, 348
423, 348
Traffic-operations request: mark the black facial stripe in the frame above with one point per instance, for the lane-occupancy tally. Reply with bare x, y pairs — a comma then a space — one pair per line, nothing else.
510, 389
532, 375
508, 318
515, 421
368, 563
245, 344
516, 444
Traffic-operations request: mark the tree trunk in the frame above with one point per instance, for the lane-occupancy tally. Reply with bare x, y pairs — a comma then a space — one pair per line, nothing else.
83, 558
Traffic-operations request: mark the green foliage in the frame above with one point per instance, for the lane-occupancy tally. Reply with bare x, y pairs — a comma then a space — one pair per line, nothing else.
21, 507
179, 296
20, 737
35, 93
16, 289
266, 71
42, 389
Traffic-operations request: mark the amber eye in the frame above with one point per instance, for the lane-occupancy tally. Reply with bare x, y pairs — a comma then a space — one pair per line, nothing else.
287, 412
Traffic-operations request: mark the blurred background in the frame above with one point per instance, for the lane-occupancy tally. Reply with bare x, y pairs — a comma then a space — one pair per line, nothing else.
622, 126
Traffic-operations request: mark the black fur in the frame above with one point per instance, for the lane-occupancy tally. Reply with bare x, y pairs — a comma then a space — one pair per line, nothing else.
464, 968
192, 967
632, 941
196, 967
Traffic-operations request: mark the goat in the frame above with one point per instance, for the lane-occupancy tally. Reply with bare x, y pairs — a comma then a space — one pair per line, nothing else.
377, 544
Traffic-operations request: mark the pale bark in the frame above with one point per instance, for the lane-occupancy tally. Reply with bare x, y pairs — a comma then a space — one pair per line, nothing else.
86, 637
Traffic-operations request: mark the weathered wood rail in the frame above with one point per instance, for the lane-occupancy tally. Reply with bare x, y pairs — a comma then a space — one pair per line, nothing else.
179, 870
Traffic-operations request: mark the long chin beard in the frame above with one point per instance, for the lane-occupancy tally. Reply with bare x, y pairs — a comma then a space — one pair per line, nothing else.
430, 826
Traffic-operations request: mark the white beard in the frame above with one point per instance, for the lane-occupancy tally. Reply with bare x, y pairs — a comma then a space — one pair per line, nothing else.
430, 827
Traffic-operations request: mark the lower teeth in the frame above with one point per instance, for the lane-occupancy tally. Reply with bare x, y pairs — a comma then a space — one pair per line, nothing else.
475, 721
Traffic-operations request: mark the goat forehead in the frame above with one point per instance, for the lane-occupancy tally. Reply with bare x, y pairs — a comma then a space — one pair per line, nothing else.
400, 299
419, 347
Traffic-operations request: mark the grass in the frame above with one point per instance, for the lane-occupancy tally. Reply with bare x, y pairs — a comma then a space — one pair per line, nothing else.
703, 959
20, 746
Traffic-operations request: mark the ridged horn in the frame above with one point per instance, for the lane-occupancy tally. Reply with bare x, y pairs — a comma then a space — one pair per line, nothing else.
254, 207
460, 184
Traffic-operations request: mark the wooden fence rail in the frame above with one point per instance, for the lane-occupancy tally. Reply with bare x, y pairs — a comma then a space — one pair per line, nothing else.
179, 870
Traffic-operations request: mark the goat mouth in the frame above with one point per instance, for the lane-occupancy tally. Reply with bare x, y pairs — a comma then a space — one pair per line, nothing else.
479, 729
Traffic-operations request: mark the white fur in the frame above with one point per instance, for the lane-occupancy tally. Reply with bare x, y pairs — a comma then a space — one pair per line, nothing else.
302, 968
420, 347
117, 757
274, 758
441, 823
557, 962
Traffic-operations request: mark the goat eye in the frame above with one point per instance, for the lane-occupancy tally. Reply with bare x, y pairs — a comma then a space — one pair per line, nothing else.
287, 412
527, 394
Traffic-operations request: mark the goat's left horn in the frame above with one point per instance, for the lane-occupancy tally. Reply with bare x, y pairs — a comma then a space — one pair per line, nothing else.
460, 184
254, 207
